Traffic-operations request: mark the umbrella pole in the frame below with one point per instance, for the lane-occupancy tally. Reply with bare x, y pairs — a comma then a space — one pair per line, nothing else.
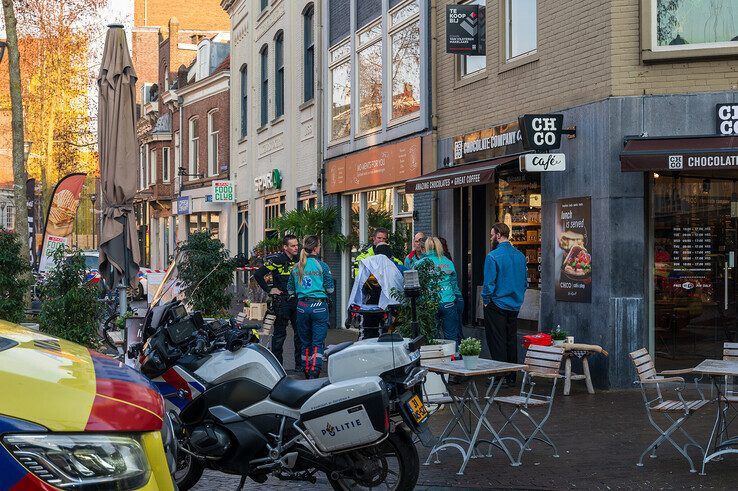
122, 298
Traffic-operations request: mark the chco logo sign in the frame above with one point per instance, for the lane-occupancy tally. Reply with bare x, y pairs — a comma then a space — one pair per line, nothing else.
465, 30
727, 119
541, 132
676, 162
223, 192
271, 180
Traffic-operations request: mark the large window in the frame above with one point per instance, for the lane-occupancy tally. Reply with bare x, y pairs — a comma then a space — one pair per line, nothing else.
274, 206
695, 23
194, 149
473, 64
308, 63
264, 85
405, 42
152, 167
341, 91
177, 155
369, 58
279, 74
522, 27
165, 164
244, 101
212, 143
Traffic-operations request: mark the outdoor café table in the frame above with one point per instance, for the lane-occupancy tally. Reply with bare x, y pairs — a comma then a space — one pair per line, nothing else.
582, 351
719, 369
469, 405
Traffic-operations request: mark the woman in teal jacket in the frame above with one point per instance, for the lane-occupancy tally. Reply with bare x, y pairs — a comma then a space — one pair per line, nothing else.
448, 313
312, 282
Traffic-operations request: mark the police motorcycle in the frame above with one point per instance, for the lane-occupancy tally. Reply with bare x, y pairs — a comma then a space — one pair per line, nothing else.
234, 409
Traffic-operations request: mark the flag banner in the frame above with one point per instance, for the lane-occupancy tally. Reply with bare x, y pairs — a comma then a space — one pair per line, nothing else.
60, 217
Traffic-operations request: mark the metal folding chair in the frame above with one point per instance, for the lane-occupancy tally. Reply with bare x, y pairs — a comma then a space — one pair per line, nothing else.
543, 362
681, 408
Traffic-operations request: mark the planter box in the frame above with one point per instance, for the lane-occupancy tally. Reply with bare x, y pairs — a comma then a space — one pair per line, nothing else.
442, 351
257, 311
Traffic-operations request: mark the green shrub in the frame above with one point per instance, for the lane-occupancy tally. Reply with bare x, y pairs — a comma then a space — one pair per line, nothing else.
322, 221
426, 306
69, 306
14, 277
206, 272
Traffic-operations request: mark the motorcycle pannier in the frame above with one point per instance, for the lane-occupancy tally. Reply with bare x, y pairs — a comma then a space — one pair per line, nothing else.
347, 414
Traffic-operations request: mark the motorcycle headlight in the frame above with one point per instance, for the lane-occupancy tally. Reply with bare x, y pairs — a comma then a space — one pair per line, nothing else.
82, 461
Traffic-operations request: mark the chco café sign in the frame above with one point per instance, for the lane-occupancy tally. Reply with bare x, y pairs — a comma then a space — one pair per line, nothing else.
465, 30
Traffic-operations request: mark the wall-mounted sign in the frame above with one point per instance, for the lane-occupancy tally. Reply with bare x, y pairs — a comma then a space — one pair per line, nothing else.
543, 162
183, 205
573, 250
271, 180
223, 192
465, 30
727, 119
541, 132
375, 166
488, 144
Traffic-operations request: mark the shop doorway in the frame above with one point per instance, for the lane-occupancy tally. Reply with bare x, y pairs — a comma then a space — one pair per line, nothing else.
694, 223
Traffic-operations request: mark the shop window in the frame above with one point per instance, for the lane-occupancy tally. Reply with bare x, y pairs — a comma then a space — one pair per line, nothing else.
194, 149
244, 101
165, 164
264, 85
308, 55
306, 200
212, 144
469, 65
340, 91
521, 26
243, 231
279, 74
379, 209
405, 41
204, 221
274, 206
370, 78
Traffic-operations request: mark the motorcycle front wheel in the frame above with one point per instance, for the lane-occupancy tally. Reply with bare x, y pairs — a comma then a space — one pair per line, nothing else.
189, 471
393, 465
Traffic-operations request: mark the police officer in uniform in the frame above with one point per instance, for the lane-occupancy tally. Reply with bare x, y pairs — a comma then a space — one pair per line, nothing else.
280, 266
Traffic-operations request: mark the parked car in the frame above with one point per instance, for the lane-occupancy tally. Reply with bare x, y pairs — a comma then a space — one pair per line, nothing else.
73, 418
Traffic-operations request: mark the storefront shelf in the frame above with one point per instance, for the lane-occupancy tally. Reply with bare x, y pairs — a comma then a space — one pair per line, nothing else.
526, 205
525, 224
527, 242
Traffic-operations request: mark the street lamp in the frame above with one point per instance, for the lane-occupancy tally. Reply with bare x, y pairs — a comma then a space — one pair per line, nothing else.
3, 44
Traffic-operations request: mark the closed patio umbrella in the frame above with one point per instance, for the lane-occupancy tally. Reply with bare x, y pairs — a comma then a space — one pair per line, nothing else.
120, 254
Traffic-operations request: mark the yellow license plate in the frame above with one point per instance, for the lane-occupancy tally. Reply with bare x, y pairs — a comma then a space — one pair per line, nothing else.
417, 409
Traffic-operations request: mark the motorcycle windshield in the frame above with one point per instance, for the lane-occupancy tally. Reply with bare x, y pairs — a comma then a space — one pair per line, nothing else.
167, 284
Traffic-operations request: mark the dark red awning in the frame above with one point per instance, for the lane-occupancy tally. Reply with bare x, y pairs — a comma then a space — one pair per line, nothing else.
679, 153
457, 176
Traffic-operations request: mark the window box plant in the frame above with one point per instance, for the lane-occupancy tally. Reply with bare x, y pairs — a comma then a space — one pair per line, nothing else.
470, 348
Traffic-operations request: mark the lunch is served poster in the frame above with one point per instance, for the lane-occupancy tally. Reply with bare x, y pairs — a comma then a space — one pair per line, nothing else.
573, 250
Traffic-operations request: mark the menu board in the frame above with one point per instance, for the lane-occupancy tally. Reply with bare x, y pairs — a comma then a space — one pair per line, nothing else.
573, 250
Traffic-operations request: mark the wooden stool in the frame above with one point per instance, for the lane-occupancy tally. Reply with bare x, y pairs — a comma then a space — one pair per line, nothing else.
584, 351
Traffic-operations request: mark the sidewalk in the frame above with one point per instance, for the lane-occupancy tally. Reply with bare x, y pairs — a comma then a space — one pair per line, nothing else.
600, 438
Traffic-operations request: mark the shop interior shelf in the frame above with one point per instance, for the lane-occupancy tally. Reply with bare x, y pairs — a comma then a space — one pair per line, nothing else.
526, 205
526, 242
525, 224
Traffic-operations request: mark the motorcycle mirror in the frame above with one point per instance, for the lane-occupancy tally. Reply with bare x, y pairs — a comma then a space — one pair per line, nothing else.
416, 343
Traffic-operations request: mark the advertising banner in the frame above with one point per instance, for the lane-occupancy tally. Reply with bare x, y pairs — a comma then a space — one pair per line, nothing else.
573, 250
465, 30
60, 217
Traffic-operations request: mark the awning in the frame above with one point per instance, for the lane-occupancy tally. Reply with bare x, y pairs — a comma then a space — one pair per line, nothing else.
458, 176
679, 153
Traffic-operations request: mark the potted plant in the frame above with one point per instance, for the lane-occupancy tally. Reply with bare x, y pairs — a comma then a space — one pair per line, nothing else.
470, 348
559, 336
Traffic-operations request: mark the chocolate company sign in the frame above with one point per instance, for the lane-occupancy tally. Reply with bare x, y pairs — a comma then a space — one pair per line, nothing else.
465, 30
488, 144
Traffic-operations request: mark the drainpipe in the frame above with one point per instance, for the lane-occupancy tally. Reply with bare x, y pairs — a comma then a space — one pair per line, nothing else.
318, 106
434, 107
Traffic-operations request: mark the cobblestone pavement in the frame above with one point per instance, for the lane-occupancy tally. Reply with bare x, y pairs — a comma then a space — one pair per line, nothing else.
600, 438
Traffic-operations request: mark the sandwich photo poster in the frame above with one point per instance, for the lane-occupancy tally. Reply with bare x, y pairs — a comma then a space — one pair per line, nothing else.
573, 250
60, 217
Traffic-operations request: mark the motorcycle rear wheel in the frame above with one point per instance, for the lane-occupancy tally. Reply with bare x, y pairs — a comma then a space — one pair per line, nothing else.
397, 447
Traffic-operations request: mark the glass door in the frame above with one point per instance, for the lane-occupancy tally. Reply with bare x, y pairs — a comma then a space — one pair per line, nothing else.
694, 238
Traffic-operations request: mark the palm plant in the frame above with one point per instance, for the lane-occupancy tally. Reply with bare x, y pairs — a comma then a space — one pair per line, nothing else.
322, 221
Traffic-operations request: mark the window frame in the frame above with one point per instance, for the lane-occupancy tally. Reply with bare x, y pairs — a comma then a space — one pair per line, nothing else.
279, 74
505, 63
277, 201
308, 53
165, 164
264, 86
244, 100
509, 57
141, 167
461, 61
651, 52
361, 47
263, 5
177, 147
213, 154
345, 58
153, 160
193, 147
393, 29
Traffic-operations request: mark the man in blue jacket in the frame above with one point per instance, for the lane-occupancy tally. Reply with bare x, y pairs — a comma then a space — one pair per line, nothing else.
505, 281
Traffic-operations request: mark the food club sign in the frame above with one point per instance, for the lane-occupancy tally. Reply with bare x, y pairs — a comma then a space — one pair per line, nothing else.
223, 192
